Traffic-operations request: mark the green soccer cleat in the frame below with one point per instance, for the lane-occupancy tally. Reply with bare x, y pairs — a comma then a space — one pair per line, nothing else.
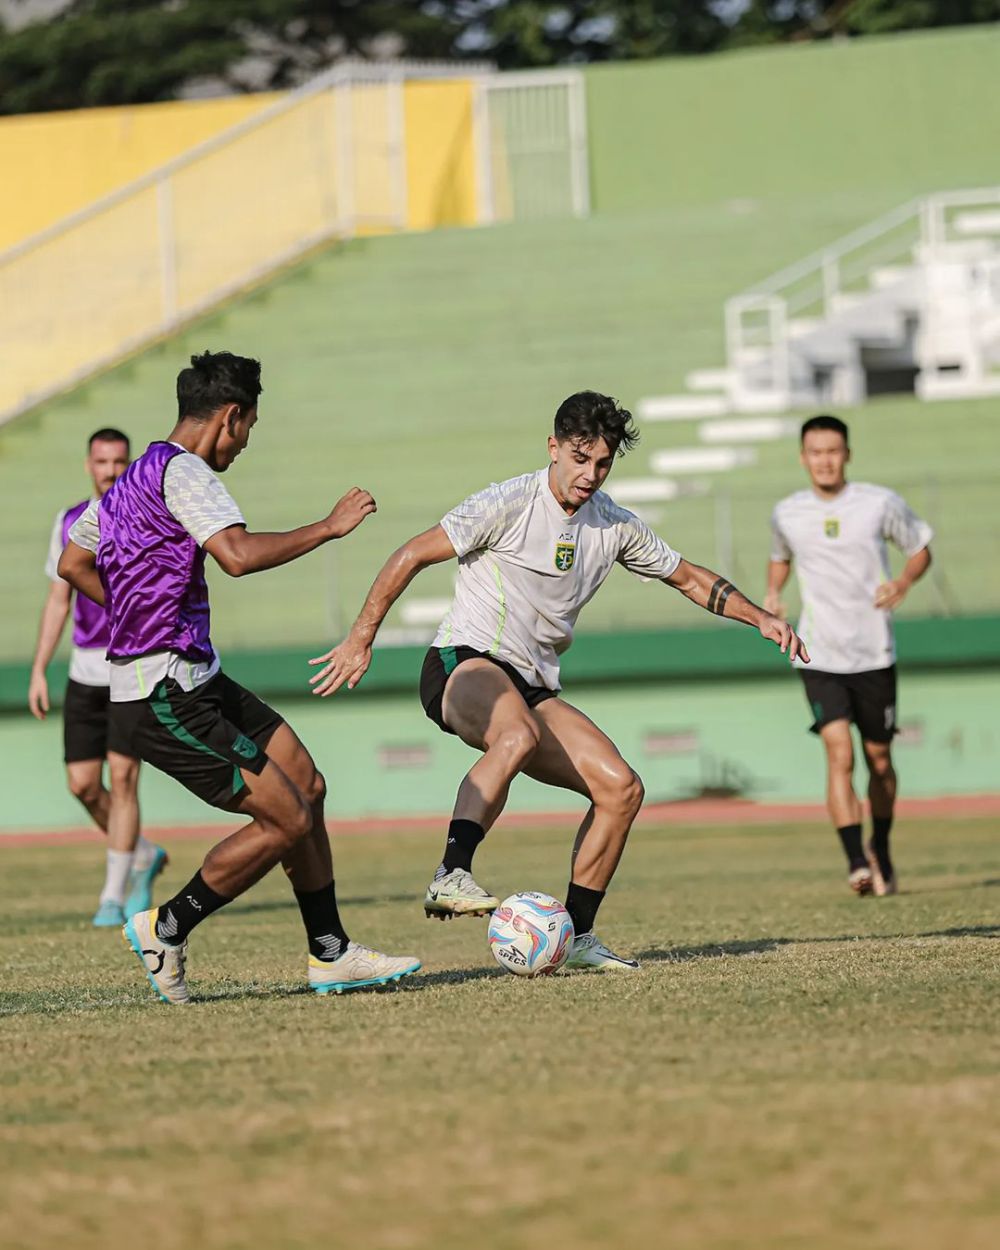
358, 967
456, 894
141, 894
588, 953
162, 963
108, 916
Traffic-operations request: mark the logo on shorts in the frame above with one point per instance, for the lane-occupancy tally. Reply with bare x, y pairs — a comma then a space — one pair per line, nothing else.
890, 716
245, 747
565, 556
831, 528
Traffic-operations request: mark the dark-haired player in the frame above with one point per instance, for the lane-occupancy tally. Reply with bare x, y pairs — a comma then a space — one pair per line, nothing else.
88, 736
836, 532
532, 552
143, 548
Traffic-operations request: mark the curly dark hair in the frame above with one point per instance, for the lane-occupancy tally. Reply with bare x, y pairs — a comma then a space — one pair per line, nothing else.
588, 416
215, 379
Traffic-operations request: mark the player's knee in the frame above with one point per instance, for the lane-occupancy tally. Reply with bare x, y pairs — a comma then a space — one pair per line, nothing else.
517, 744
622, 790
840, 758
124, 775
297, 820
315, 791
87, 788
634, 793
879, 764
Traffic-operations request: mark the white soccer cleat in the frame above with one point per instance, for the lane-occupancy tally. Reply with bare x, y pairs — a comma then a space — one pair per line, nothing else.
589, 952
163, 964
860, 880
883, 886
357, 967
457, 894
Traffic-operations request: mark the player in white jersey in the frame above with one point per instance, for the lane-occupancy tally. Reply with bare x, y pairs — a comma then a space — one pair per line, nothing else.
532, 552
89, 737
836, 532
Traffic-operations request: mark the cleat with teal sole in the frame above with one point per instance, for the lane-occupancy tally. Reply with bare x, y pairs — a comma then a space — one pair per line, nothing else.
162, 963
141, 894
358, 968
108, 916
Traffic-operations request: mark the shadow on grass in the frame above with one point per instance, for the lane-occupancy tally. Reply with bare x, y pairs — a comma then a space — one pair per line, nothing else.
763, 946
289, 904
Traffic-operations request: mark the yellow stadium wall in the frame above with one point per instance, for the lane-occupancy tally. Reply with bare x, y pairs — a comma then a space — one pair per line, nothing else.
56, 163
440, 154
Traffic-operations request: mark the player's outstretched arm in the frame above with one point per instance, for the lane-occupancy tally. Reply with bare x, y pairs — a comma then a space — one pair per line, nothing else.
50, 628
348, 662
239, 552
778, 572
78, 566
891, 594
717, 594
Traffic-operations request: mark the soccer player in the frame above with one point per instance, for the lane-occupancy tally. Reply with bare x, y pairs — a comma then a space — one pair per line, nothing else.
143, 548
836, 532
532, 551
89, 739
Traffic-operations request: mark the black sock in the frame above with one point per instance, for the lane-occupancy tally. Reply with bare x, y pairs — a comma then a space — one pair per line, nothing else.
582, 905
187, 908
327, 939
850, 835
463, 838
880, 844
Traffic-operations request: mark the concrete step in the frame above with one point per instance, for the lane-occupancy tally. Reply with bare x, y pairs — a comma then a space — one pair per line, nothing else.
639, 490
702, 459
748, 430
708, 379
681, 407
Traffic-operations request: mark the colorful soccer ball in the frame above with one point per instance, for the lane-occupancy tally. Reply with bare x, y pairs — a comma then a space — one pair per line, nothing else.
531, 934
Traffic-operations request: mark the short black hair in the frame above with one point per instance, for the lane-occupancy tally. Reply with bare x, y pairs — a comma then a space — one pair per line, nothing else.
108, 434
589, 416
215, 379
825, 422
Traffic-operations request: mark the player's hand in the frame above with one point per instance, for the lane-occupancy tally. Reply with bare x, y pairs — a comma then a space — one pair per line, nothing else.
891, 594
351, 511
778, 631
347, 662
38, 695
773, 605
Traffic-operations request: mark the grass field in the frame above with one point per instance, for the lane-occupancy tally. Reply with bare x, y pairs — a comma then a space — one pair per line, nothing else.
792, 1067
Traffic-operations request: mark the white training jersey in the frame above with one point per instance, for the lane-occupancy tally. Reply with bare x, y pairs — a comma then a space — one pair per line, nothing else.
201, 503
840, 554
87, 665
526, 569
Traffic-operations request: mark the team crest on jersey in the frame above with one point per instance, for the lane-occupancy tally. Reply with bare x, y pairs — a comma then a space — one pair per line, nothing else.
565, 556
831, 528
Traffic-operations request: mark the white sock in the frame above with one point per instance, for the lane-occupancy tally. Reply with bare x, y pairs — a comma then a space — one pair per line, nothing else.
116, 877
144, 854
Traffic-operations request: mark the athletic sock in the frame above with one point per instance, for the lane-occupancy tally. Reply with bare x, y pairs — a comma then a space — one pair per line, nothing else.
850, 836
582, 905
327, 939
144, 854
880, 844
116, 874
186, 909
463, 838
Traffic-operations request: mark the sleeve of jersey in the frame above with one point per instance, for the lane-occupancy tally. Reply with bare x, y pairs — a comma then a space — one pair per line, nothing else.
86, 531
780, 549
477, 522
55, 549
644, 553
198, 499
904, 528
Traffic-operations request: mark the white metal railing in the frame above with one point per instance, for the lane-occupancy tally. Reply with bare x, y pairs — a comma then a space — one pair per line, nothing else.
325, 161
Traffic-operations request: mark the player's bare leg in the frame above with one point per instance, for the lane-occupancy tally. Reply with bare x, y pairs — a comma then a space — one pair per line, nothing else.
842, 802
576, 755
882, 801
133, 862
86, 784
482, 706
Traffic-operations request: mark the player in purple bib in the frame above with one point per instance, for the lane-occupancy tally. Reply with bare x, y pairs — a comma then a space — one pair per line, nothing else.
89, 738
142, 552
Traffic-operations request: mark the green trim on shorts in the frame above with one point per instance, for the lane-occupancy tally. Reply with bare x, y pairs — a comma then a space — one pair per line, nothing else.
449, 659
165, 714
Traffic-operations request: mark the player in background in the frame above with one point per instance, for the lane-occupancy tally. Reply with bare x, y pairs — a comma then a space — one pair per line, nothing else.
532, 551
836, 532
88, 737
144, 546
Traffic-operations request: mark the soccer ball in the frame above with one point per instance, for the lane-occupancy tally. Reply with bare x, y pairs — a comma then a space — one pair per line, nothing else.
531, 934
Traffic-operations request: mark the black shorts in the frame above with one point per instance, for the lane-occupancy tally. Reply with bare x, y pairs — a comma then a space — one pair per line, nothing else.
88, 730
441, 662
201, 737
867, 699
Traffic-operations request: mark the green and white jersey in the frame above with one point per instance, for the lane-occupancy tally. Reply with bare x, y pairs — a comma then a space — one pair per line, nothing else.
841, 558
526, 569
